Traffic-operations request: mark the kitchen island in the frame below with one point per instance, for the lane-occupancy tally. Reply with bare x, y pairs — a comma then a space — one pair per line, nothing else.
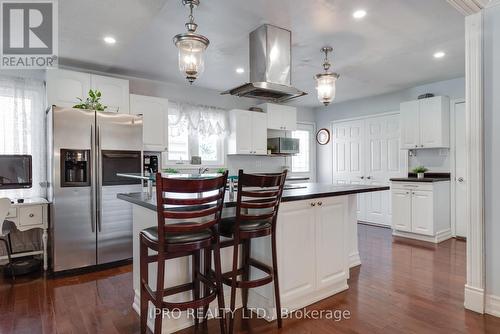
316, 244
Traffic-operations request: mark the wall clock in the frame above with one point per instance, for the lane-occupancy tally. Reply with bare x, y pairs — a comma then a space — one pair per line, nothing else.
323, 136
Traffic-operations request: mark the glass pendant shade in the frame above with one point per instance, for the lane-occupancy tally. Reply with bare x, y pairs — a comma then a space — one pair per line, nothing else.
326, 87
191, 57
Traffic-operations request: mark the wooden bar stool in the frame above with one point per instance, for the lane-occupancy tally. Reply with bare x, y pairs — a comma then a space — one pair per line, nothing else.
188, 211
258, 201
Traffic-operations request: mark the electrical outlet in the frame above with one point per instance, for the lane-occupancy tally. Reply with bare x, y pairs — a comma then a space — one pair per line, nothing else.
443, 152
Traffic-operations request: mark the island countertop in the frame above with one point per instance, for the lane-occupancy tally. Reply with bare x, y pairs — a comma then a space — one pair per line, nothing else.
306, 191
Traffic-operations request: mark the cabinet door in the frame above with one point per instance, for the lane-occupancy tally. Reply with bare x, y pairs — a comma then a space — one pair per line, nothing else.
434, 122
330, 220
401, 210
242, 131
115, 93
422, 212
259, 133
410, 127
296, 244
274, 118
154, 115
290, 118
64, 87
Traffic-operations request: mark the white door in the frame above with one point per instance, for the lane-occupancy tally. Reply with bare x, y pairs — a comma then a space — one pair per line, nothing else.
460, 171
154, 114
115, 93
422, 210
401, 213
348, 157
65, 87
303, 162
410, 133
259, 132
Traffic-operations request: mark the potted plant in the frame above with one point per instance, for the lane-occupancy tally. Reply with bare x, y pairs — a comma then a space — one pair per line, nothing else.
171, 171
420, 171
92, 102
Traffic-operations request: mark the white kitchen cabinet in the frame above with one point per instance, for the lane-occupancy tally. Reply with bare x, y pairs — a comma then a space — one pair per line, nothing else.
154, 111
248, 132
64, 87
425, 123
280, 117
115, 92
421, 210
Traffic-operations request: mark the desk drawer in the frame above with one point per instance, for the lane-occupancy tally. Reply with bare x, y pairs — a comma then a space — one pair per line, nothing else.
12, 213
31, 215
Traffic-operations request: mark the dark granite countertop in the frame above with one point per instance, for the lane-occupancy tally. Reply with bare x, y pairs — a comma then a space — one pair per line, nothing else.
309, 191
425, 179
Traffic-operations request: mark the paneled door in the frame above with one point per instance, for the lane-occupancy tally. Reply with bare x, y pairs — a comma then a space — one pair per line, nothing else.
348, 157
460, 171
367, 151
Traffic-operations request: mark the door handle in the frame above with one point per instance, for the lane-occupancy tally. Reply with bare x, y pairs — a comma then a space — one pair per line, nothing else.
99, 178
460, 179
92, 181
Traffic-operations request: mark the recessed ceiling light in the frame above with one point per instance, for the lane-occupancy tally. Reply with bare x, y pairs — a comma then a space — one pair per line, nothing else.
359, 14
109, 40
439, 54
240, 70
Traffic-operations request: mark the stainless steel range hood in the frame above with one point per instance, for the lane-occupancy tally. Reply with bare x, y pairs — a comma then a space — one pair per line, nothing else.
270, 66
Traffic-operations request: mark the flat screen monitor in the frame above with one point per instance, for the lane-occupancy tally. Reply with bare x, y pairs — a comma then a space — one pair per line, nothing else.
15, 171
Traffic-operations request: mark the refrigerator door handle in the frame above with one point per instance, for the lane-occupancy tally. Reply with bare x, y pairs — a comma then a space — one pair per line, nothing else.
92, 182
99, 183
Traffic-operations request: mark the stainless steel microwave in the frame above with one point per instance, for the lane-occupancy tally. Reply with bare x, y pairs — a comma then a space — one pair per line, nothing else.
282, 145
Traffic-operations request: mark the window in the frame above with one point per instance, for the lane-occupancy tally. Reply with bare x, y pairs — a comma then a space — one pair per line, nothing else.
196, 131
303, 162
22, 128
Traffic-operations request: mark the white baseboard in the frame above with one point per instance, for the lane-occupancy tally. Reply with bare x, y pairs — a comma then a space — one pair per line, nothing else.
439, 237
354, 260
474, 299
492, 305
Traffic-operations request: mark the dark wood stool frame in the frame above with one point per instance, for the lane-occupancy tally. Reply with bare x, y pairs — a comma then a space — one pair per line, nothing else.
181, 209
266, 196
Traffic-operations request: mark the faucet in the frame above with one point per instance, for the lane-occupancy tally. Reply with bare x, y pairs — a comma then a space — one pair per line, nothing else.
202, 170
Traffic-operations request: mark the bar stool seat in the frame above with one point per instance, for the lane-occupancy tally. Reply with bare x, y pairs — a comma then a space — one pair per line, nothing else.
175, 238
228, 224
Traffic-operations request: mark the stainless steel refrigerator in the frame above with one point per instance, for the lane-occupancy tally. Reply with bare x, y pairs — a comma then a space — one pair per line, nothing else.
89, 225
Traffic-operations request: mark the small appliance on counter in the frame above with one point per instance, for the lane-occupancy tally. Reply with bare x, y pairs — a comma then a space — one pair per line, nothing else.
152, 162
283, 145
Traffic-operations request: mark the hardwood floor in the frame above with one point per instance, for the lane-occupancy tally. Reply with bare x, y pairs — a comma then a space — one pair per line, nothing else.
402, 287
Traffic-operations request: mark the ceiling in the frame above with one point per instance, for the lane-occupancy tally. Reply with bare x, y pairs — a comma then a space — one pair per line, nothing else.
390, 49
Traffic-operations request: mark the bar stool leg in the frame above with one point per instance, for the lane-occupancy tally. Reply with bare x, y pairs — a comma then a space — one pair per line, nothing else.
207, 263
276, 280
8, 248
233, 282
160, 285
196, 283
144, 279
220, 286
246, 273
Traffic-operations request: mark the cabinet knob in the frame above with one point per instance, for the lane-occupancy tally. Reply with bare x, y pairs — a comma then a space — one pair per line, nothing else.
416, 145
32, 215
320, 203
421, 145
407, 193
313, 204
361, 177
369, 177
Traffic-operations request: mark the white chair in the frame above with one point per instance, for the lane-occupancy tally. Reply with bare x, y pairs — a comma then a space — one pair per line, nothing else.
4, 210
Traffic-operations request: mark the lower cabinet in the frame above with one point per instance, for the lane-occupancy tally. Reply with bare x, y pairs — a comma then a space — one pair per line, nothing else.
311, 249
421, 210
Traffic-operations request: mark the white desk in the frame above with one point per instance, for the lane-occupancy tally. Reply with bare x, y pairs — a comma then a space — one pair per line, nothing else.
33, 213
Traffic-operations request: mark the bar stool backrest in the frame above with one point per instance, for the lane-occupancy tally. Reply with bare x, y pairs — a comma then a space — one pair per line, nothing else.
259, 196
197, 203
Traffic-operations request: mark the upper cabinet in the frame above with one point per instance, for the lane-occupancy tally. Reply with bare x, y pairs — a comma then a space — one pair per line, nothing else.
64, 87
280, 117
425, 123
154, 113
248, 132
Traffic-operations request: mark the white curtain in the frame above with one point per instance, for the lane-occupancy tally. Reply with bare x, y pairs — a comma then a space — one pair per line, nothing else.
22, 128
199, 120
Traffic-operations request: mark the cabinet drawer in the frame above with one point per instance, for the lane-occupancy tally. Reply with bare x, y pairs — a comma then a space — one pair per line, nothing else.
31, 215
12, 213
425, 186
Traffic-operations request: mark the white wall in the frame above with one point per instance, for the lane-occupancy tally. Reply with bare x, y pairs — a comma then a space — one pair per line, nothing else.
454, 88
492, 147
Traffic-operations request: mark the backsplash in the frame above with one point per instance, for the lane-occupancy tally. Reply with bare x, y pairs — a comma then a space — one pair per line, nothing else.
435, 159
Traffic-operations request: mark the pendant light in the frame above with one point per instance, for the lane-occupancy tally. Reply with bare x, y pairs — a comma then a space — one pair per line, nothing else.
191, 46
325, 82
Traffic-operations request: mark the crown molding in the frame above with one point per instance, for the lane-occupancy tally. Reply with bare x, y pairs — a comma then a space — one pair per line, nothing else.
469, 7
